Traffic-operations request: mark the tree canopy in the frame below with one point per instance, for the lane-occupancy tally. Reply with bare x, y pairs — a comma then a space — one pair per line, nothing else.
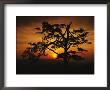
56, 36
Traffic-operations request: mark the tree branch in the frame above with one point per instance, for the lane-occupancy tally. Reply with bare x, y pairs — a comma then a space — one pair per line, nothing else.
52, 50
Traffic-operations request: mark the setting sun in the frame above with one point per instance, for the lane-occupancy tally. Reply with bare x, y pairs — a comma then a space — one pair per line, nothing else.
54, 56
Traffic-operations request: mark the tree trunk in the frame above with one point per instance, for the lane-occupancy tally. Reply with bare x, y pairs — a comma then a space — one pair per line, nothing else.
65, 56
66, 44
65, 60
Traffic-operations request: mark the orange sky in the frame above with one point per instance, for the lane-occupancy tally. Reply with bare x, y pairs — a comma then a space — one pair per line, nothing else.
25, 31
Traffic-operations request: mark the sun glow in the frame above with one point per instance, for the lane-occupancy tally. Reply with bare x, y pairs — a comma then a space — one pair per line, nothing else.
54, 56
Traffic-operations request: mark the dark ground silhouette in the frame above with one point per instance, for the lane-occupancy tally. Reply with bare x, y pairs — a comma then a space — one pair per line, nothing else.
53, 67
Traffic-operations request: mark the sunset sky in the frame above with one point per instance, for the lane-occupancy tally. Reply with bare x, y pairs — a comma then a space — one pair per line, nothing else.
25, 31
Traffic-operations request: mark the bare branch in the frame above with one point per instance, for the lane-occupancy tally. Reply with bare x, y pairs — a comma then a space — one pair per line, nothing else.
52, 50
